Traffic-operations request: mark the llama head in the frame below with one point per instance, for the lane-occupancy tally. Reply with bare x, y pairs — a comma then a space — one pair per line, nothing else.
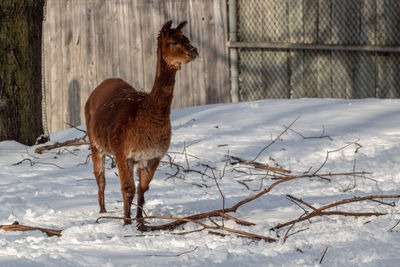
175, 46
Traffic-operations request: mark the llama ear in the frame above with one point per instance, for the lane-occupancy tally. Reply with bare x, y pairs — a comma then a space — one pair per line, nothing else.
166, 27
181, 26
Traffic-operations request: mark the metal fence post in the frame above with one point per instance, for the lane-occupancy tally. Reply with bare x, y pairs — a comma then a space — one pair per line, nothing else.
233, 51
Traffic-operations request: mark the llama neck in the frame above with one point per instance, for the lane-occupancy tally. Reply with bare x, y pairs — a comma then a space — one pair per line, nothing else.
163, 88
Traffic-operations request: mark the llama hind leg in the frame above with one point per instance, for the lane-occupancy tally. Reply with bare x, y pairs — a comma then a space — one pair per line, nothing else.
98, 166
125, 169
145, 176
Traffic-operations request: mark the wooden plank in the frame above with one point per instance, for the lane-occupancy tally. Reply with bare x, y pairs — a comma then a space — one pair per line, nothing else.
387, 33
149, 44
221, 52
243, 36
209, 56
247, 10
368, 23
267, 74
122, 19
324, 59
281, 21
136, 45
304, 63
325, 21
50, 46
100, 59
388, 80
388, 21
67, 86
80, 26
281, 58
158, 10
340, 75
251, 70
80, 97
55, 55
324, 83
345, 30
296, 35
310, 21
346, 22
310, 58
74, 84
365, 76
196, 67
112, 40
46, 57
252, 73
77, 29
86, 50
65, 36
184, 75
296, 29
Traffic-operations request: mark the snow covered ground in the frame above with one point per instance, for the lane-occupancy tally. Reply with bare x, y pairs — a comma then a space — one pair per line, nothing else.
56, 190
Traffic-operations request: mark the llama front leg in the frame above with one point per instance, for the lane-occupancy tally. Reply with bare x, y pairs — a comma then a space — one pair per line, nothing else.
125, 168
145, 176
98, 166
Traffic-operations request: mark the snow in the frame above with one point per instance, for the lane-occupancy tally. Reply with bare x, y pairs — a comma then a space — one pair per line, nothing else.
56, 190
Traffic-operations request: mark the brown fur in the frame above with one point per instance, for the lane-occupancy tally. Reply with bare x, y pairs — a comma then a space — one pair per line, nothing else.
135, 126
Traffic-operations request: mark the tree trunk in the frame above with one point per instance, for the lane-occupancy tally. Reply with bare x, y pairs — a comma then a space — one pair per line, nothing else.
20, 70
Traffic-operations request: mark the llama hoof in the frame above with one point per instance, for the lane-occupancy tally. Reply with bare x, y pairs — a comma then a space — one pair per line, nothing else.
127, 222
142, 227
103, 210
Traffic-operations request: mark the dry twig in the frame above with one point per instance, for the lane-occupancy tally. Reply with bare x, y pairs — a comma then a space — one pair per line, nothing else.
258, 165
173, 255
323, 255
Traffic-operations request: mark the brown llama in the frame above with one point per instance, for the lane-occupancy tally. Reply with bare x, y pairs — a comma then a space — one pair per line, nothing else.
135, 126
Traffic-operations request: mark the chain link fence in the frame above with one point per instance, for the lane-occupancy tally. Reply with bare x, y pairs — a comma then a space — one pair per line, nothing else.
318, 48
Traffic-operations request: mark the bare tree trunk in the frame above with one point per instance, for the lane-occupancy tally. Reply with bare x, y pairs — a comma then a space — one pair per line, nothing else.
20, 70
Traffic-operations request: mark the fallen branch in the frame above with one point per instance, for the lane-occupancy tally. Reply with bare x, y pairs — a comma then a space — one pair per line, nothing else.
205, 226
75, 142
19, 227
320, 211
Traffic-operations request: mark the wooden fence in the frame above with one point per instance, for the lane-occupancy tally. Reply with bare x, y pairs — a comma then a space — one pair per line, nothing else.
87, 41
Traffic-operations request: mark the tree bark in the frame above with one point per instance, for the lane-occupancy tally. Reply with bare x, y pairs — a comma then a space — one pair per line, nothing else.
20, 70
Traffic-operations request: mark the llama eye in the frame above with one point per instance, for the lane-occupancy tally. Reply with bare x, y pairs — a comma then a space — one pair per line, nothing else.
174, 43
